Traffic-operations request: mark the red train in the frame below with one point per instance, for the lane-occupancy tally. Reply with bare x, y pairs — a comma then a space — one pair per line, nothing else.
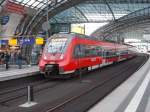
65, 54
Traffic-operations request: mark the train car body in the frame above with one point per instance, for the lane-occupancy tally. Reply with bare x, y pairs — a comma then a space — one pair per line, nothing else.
68, 53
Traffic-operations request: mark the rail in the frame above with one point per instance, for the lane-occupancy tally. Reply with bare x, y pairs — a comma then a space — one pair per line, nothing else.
61, 105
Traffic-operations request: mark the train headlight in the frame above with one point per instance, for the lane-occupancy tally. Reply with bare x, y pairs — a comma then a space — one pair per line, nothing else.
62, 56
45, 57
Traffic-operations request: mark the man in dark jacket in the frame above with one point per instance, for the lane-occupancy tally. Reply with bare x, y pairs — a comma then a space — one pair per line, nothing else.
6, 59
2, 58
19, 59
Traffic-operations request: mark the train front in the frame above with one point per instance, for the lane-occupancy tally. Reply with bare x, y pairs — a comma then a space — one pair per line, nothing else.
53, 55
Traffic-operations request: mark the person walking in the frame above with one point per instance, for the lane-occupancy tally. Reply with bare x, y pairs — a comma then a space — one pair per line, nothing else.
6, 59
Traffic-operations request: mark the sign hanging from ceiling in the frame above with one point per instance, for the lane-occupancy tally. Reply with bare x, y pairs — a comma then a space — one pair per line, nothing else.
27, 41
39, 41
4, 20
14, 8
12, 42
4, 42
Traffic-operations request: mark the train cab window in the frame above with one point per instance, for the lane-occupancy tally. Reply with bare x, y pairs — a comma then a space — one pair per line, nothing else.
57, 45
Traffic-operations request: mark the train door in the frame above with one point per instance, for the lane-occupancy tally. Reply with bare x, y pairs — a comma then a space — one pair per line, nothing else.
103, 56
78, 55
119, 55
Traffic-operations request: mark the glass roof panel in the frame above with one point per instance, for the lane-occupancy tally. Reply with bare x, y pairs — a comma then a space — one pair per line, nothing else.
99, 12
36, 3
44, 1
31, 2
25, 1
39, 5
19, 0
90, 10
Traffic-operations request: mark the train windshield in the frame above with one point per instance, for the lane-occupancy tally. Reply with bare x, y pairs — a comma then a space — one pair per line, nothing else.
57, 45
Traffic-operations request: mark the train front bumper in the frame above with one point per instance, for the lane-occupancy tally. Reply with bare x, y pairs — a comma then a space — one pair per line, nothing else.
52, 68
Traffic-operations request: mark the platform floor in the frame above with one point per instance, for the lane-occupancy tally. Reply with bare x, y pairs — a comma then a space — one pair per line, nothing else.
13, 72
131, 96
12, 67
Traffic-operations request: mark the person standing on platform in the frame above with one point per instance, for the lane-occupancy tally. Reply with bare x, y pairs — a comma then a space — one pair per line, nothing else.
6, 59
19, 59
2, 55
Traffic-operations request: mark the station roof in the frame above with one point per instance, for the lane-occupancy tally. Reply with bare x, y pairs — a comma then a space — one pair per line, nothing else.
137, 21
35, 4
80, 11
88, 10
99, 11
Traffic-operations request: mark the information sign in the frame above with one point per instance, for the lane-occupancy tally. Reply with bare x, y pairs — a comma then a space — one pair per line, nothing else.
39, 41
4, 42
12, 42
27, 41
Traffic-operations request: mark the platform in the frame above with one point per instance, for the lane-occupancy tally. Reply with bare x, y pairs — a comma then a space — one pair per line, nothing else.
131, 96
14, 73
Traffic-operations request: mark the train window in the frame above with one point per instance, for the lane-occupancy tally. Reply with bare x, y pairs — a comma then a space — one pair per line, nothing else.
99, 51
90, 50
93, 50
122, 52
82, 50
79, 51
76, 52
109, 53
87, 51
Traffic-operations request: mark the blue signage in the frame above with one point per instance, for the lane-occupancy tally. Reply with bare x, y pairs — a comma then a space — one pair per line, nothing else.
4, 42
27, 41
42, 33
4, 20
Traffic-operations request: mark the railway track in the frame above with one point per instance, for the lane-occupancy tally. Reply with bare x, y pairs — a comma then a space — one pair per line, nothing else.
20, 92
79, 100
62, 107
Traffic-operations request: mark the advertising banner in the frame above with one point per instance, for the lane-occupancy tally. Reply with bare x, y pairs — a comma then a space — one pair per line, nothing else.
14, 8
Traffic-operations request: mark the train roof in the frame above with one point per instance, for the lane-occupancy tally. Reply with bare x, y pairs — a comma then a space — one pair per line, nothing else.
73, 35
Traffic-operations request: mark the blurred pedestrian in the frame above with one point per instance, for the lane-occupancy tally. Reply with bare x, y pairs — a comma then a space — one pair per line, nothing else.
6, 59
2, 57
19, 59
